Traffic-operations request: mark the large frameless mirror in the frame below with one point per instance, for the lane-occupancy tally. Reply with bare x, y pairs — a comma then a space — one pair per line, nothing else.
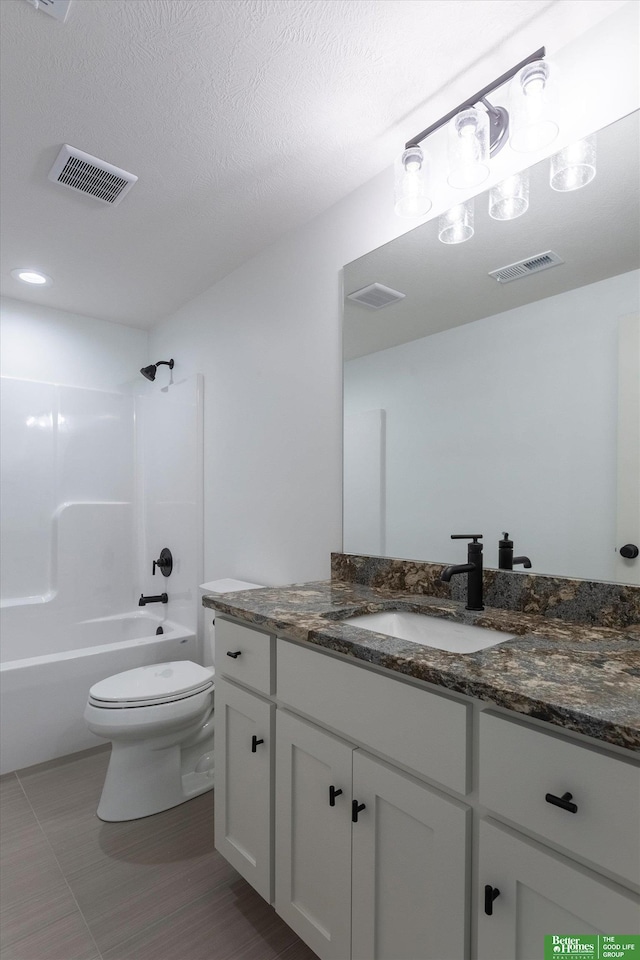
478, 406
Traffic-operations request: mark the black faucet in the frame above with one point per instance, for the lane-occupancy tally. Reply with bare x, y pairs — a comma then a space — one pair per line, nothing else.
506, 559
159, 598
473, 568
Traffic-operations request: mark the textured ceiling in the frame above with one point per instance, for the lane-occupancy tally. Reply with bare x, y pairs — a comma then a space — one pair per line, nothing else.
241, 118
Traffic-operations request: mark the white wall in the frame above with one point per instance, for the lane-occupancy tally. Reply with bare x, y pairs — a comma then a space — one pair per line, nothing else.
508, 423
268, 340
39, 343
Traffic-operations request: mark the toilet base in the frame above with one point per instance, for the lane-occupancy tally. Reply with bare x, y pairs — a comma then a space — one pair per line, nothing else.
147, 778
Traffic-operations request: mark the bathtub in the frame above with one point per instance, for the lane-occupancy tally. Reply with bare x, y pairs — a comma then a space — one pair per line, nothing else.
42, 697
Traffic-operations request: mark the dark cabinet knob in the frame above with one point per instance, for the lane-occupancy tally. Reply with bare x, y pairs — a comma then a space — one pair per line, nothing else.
629, 551
490, 894
234, 653
333, 793
254, 743
564, 801
356, 808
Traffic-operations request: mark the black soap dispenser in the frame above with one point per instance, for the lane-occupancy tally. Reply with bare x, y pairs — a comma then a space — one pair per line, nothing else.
505, 553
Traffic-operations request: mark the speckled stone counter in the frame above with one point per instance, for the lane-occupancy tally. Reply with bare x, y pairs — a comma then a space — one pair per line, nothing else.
583, 677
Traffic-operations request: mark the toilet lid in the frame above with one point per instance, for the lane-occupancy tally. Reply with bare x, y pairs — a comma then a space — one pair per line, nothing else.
156, 682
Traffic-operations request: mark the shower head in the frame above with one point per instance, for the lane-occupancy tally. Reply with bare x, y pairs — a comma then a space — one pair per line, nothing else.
150, 371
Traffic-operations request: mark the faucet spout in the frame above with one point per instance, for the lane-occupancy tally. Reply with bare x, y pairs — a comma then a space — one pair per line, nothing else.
454, 568
159, 598
473, 569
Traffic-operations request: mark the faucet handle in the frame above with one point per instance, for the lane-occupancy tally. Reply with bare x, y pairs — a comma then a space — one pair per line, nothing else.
467, 536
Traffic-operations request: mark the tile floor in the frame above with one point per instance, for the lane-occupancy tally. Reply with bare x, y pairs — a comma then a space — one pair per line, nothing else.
74, 888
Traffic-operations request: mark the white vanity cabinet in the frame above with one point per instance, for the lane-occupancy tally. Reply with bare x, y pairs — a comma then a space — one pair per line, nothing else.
313, 831
579, 800
541, 893
361, 807
370, 863
244, 745
410, 868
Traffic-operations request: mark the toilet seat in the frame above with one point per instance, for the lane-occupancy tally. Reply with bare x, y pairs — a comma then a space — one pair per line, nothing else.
152, 685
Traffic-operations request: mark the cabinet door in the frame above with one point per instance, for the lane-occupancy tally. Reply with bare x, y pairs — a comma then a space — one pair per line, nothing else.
410, 890
244, 784
542, 894
313, 837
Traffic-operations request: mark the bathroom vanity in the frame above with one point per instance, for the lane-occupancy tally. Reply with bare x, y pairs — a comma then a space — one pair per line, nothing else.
397, 801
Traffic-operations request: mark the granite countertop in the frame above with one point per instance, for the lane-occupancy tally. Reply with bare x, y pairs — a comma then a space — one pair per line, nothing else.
578, 676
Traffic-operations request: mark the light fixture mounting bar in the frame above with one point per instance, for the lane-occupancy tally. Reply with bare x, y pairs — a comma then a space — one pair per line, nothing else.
476, 98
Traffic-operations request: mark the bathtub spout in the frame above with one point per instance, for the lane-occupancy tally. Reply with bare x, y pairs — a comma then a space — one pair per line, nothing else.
159, 598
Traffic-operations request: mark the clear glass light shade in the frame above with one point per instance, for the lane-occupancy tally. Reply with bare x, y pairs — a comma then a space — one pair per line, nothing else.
412, 184
510, 199
575, 166
456, 225
532, 108
469, 148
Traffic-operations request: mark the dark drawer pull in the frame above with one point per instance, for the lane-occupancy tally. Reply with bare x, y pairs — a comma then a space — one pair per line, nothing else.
355, 810
234, 653
333, 793
254, 743
564, 801
490, 894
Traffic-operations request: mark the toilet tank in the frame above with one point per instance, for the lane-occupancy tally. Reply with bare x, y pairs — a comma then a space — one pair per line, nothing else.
218, 587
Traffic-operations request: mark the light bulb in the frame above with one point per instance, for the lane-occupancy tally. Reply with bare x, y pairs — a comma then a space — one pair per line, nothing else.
412, 159
532, 108
411, 196
468, 148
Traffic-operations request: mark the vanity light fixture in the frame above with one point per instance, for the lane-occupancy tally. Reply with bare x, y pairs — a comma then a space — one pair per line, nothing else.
575, 166
26, 275
478, 130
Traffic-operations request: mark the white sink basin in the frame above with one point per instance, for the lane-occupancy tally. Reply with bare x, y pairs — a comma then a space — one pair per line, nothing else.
430, 631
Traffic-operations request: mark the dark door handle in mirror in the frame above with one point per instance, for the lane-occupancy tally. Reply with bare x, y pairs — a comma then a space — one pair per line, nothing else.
234, 653
355, 810
490, 894
333, 793
564, 801
254, 743
629, 551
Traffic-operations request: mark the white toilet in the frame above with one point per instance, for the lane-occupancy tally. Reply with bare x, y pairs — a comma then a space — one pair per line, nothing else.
160, 721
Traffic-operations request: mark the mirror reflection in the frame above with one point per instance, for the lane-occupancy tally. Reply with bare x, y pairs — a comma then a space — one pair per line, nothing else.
478, 406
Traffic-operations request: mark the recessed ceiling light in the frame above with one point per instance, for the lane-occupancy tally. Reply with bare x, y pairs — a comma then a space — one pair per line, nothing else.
31, 276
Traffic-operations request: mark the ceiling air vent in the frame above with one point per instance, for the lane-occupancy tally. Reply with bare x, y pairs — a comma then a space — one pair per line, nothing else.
86, 174
376, 296
55, 8
541, 261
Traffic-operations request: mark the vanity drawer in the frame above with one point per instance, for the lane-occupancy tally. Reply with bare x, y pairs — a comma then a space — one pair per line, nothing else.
416, 728
253, 663
520, 765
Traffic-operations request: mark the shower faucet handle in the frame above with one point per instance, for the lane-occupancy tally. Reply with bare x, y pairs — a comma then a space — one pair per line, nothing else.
164, 562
